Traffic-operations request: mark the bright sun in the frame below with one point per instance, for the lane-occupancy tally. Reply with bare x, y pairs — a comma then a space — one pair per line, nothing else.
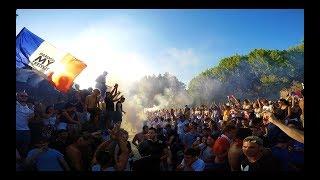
122, 71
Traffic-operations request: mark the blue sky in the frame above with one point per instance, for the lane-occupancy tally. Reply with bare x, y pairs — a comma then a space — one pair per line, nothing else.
131, 43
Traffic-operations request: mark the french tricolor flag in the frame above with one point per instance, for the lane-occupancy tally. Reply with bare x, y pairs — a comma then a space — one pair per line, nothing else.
60, 68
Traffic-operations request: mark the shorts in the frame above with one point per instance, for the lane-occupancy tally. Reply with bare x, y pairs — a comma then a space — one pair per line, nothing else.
117, 117
93, 112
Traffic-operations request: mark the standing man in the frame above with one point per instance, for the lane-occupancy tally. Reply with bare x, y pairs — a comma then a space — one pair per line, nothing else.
23, 115
101, 83
119, 110
91, 105
141, 136
109, 100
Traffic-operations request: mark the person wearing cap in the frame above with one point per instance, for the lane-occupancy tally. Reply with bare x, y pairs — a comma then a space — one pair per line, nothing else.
256, 158
23, 116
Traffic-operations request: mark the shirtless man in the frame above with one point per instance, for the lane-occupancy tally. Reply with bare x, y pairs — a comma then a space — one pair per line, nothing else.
92, 104
140, 136
74, 152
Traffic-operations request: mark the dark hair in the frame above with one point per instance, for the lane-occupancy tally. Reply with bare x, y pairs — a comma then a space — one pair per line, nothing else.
251, 115
191, 151
284, 101
242, 133
69, 105
145, 126
152, 128
215, 135
48, 107
41, 139
256, 122
194, 124
144, 149
214, 124
228, 128
85, 136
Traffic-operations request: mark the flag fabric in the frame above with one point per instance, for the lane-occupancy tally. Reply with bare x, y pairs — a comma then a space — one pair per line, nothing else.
60, 68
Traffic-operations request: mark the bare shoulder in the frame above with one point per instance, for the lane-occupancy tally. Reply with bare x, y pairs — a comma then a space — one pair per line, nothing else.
234, 150
71, 150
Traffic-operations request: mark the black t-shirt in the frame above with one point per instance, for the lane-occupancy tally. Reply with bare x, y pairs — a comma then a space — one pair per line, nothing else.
79, 107
267, 163
146, 164
153, 148
64, 119
281, 114
109, 104
119, 107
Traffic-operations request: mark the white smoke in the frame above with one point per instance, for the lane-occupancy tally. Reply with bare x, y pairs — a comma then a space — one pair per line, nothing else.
153, 93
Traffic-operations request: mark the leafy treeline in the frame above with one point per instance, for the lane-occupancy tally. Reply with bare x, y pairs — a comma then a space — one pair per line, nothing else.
261, 73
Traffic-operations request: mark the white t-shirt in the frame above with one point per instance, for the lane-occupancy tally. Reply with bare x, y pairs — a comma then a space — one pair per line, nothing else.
198, 165
22, 114
267, 108
180, 125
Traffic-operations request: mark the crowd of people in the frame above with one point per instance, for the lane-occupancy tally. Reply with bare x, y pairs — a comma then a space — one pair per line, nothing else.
84, 134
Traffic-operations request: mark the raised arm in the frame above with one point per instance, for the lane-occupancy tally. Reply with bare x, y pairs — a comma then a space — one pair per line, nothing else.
134, 140
114, 90
116, 95
292, 132
69, 117
259, 103
235, 100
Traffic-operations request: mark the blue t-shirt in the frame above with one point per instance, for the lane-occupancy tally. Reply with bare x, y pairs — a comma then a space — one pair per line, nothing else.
189, 138
296, 156
47, 161
282, 155
273, 133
